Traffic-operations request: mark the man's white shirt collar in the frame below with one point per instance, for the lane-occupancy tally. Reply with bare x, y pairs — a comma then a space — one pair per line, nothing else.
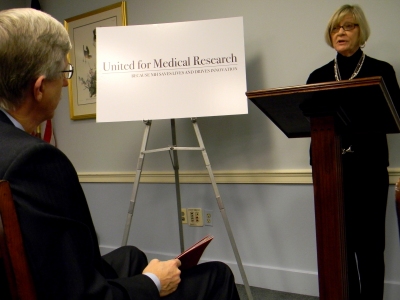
15, 122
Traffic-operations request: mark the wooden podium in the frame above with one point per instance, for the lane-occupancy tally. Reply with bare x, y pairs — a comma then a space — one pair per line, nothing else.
324, 111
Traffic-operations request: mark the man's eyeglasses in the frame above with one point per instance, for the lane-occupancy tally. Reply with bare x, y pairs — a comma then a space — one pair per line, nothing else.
346, 27
68, 72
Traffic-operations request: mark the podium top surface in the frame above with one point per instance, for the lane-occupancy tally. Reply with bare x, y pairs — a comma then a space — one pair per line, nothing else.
365, 101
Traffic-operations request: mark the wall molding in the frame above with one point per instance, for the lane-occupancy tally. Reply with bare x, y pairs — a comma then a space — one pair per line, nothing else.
303, 282
243, 177
278, 279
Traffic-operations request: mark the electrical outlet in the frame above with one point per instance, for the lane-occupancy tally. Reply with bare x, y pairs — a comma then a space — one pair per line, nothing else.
195, 216
184, 215
208, 217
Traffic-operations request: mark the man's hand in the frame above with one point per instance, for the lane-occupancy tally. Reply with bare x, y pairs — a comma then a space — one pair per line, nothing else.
167, 272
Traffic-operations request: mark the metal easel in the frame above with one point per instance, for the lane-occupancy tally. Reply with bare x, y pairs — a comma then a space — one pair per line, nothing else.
174, 149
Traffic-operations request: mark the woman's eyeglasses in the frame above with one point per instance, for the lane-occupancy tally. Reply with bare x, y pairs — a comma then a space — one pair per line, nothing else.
346, 27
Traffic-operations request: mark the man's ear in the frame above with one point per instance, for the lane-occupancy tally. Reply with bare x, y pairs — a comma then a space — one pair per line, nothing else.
38, 88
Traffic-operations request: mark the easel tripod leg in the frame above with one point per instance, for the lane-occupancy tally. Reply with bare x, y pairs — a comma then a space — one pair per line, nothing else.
136, 183
175, 164
222, 210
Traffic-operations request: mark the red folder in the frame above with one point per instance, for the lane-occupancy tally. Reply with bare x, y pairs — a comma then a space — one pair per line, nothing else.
191, 256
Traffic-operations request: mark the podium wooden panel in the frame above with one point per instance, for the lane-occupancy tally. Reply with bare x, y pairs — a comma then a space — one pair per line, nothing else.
323, 112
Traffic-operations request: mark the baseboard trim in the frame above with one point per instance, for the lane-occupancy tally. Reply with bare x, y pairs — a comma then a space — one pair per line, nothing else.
279, 279
242, 177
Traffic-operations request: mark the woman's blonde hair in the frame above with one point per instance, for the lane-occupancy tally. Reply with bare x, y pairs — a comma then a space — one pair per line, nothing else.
359, 18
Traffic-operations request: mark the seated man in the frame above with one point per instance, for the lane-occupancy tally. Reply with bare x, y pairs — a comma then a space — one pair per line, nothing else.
56, 225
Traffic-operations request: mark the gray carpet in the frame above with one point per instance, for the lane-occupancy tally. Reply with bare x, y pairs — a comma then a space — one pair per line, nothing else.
264, 294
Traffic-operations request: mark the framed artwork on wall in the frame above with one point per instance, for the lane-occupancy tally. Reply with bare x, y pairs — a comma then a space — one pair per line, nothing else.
82, 32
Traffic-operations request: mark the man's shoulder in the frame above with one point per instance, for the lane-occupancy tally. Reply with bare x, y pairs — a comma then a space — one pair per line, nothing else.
14, 138
17, 145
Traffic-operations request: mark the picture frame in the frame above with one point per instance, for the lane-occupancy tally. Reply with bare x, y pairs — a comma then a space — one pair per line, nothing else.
82, 32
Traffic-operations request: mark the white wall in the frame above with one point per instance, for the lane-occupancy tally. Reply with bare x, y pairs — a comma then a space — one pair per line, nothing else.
6, 4
273, 223
283, 44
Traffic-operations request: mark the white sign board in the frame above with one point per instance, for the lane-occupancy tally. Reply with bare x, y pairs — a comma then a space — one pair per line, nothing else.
172, 70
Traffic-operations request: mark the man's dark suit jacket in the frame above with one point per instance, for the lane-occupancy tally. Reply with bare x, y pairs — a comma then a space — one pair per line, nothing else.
56, 225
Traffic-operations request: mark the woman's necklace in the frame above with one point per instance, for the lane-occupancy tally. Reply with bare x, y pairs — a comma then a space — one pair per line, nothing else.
358, 68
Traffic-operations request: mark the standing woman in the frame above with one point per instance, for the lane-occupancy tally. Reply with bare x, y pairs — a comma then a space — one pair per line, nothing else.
365, 175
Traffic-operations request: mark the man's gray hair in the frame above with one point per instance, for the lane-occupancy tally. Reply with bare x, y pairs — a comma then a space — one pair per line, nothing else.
32, 44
